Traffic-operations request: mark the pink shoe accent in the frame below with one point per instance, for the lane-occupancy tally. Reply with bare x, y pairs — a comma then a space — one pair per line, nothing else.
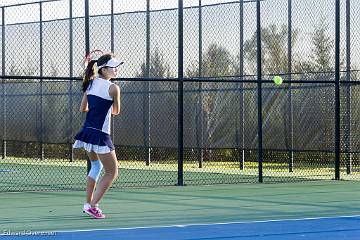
95, 213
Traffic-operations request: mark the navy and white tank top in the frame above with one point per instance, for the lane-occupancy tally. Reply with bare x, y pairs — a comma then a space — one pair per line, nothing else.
100, 105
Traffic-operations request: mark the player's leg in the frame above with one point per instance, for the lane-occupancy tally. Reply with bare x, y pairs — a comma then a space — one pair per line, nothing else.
109, 162
92, 177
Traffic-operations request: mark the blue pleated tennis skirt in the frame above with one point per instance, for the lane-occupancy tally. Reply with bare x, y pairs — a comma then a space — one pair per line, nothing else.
93, 140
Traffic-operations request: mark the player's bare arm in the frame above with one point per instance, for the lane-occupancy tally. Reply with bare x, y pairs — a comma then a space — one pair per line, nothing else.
114, 92
84, 107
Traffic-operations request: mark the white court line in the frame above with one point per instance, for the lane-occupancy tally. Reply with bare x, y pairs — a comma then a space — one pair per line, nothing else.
207, 224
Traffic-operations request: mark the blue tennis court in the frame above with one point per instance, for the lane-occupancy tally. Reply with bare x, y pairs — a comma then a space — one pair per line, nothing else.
346, 227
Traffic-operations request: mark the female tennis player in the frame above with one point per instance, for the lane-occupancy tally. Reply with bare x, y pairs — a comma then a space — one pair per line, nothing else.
101, 98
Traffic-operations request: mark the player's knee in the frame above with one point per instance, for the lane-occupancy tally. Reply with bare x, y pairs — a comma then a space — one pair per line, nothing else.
96, 167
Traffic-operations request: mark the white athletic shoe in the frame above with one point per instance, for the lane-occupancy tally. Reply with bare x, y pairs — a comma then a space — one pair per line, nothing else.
86, 207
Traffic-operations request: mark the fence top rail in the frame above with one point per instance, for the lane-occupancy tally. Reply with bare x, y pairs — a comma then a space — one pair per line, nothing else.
29, 3
204, 5
120, 13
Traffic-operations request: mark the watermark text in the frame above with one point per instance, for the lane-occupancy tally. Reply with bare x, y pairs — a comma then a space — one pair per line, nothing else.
8, 232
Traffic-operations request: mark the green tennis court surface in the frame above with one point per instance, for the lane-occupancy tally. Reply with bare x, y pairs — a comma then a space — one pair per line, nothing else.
139, 209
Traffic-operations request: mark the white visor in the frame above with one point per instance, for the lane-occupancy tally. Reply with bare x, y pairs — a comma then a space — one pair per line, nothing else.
113, 63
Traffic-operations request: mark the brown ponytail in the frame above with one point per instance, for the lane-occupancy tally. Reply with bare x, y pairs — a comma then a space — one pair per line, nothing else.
89, 75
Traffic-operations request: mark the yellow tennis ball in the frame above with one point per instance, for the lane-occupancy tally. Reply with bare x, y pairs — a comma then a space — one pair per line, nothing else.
278, 80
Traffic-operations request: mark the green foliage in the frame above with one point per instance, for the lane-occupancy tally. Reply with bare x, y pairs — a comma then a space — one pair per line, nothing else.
321, 58
274, 50
217, 62
158, 67
322, 49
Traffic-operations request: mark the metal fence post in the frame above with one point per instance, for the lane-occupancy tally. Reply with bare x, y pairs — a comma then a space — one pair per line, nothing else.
146, 99
290, 136
71, 69
348, 110
112, 49
87, 50
259, 91
241, 140
41, 85
180, 93
112, 23
3, 80
337, 89
199, 115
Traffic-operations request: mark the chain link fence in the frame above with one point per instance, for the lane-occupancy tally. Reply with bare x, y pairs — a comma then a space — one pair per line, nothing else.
308, 124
